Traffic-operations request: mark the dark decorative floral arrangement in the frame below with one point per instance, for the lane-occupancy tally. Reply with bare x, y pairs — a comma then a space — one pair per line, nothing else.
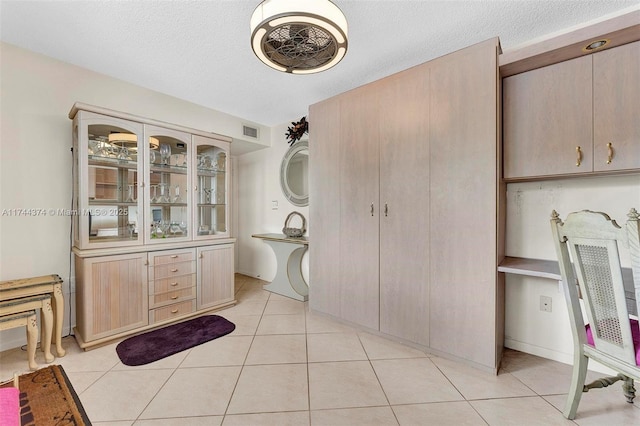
297, 131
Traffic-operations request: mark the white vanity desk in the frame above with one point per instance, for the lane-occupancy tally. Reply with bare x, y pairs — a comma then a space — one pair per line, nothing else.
289, 252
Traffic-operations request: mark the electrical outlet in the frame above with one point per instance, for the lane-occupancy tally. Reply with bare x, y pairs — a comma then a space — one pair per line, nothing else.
274, 205
545, 303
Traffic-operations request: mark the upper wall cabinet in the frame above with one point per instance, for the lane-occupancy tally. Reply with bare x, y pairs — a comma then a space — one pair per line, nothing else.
140, 183
616, 108
574, 117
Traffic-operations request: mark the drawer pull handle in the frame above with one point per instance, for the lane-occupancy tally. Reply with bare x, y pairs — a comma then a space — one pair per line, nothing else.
174, 284
578, 156
175, 311
175, 256
371, 209
174, 297
609, 152
174, 270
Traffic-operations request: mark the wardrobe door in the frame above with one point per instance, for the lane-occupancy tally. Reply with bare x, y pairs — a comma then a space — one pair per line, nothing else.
404, 205
359, 207
324, 203
616, 102
463, 206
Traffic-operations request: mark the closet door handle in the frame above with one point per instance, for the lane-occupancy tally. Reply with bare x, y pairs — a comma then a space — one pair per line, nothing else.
578, 156
371, 209
386, 210
609, 152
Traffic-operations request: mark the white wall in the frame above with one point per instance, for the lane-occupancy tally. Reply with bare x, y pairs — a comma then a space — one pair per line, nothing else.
258, 187
529, 207
35, 159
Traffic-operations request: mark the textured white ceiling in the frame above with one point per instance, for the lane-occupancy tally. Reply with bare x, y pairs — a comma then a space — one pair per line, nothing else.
199, 50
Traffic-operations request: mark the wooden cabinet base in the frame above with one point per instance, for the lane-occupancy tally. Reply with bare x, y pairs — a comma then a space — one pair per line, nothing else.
101, 342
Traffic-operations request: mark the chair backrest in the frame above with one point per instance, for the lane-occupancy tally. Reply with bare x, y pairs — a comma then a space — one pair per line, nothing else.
587, 245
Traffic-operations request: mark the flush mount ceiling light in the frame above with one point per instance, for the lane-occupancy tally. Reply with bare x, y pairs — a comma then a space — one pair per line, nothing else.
595, 45
299, 36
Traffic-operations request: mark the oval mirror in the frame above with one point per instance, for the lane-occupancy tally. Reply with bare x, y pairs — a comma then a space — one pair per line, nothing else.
294, 174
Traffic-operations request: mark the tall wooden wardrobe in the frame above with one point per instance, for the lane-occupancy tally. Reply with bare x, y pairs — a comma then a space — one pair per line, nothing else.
404, 204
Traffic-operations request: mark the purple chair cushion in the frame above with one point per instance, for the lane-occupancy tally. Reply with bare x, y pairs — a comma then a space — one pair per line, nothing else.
635, 335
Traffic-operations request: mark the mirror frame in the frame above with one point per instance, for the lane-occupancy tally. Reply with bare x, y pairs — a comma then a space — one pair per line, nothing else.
293, 198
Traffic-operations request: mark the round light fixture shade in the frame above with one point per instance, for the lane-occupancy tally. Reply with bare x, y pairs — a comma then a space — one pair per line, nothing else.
299, 36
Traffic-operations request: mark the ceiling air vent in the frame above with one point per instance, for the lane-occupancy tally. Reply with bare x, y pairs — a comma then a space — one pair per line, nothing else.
250, 131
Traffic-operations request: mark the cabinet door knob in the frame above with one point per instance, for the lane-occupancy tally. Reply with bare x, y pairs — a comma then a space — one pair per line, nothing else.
146, 262
609, 152
578, 156
371, 209
201, 256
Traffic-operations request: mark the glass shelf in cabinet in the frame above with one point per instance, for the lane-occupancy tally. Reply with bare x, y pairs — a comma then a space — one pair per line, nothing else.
96, 160
180, 170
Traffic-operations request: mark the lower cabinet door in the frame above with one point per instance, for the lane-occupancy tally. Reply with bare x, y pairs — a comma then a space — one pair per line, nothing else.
215, 275
112, 294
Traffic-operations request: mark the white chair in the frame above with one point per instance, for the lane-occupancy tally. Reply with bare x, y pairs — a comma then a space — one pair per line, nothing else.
587, 245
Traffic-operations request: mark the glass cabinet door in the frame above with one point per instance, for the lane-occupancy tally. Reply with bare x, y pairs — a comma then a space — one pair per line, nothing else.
107, 206
211, 160
167, 187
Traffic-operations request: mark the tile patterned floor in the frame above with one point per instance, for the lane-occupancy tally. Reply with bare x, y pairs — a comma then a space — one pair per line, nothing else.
285, 366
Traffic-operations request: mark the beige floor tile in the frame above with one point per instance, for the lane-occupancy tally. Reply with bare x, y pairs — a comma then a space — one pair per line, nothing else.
369, 416
103, 358
270, 388
122, 395
224, 351
529, 411
606, 406
440, 413
278, 349
335, 347
246, 325
412, 381
317, 323
293, 418
245, 308
349, 384
81, 380
252, 295
182, 421
473, 383
14, 361
125, 423
282, 324
284, 306
194, 392
543, 376
380, 348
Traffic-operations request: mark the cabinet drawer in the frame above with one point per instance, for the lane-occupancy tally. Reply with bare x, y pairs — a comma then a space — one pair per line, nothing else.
173, 296
172, 311
173, 257
172, 270
171, 284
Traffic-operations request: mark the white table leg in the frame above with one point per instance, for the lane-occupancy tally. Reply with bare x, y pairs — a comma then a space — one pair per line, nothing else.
288, 281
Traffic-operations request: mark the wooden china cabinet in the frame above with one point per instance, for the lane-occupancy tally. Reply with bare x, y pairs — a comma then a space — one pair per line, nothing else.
151, 230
